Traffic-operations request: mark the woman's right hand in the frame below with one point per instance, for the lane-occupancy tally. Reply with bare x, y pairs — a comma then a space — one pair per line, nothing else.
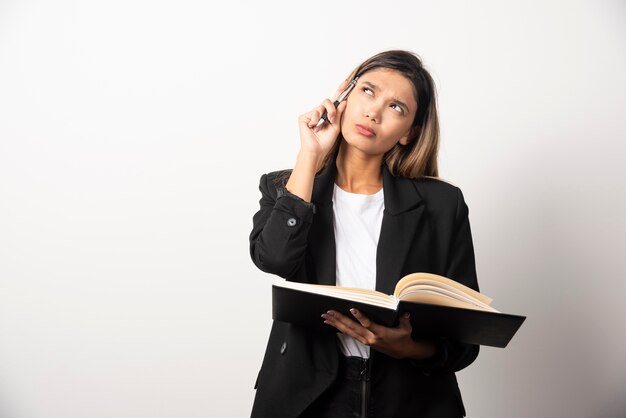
318, 142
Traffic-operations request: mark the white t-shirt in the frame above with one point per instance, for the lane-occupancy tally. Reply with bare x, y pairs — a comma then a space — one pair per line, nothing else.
357, 222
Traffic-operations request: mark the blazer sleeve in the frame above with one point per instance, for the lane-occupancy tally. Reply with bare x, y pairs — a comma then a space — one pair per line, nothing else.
453, 355
278, 240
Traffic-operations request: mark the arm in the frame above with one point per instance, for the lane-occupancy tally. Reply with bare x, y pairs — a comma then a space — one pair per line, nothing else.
453, 355
279, 234
280, 229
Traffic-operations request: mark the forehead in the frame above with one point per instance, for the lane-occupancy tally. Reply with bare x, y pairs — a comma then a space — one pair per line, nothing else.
391, 83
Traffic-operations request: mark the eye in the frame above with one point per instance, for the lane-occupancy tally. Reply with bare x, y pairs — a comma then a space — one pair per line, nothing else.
367, 91
398, 107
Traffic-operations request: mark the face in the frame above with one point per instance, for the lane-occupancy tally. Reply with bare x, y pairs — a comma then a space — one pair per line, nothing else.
379, 112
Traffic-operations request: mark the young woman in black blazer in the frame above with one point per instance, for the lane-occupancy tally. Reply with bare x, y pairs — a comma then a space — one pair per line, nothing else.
380, 143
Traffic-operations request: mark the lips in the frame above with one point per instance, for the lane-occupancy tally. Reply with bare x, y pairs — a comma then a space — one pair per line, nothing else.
364, 130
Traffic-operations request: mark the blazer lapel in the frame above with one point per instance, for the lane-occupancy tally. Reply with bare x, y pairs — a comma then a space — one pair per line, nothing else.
404, 225
322, 234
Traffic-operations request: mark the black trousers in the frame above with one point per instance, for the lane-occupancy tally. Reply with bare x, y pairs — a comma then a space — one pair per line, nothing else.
348, 396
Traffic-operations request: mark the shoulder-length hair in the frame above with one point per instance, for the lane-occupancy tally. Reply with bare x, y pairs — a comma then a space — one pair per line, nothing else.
419, 157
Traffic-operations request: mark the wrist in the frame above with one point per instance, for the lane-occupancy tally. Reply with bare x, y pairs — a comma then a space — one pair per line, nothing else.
302, 176
309, 160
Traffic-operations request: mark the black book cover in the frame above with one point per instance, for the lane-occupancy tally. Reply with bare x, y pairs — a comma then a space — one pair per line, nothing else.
467, 325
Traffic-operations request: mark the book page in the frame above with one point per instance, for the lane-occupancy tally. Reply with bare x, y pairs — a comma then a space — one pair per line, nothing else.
438, 296
441, 281
371, 297
442, 288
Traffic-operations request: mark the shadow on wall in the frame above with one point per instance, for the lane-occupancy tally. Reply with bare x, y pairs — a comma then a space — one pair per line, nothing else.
581, 355
615, 406
616, 411
581, 252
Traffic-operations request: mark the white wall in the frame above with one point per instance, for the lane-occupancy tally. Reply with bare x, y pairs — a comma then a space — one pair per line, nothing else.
132, 137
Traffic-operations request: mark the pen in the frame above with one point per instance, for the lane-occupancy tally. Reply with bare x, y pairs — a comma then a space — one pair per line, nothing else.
341, 98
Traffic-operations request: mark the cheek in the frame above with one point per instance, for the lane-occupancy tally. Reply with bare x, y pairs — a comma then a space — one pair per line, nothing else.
349, 110
348, 115
354, 105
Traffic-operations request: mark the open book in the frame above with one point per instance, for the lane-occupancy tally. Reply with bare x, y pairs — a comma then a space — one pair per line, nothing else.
439, 307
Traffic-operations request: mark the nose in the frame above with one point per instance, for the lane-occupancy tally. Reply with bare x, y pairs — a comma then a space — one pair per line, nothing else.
373, 113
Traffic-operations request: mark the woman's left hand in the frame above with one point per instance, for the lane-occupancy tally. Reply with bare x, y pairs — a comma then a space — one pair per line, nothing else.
395, 342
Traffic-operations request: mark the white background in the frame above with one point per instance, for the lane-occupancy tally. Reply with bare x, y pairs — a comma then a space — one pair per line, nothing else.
132, 137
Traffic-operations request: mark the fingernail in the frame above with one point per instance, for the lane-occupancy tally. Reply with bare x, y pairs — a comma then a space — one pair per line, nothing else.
407, 315
353, 311
324, 316
330, 313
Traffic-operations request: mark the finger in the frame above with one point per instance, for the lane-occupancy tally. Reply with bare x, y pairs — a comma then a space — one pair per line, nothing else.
341, 88
327, 107
405, 322
366, 323
339, 318
339, 111
314, 116
342, 106
363, 320
331, 111
305, 118
347, 326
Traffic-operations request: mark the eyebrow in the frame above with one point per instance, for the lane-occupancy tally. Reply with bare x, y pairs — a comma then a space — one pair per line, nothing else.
375, 87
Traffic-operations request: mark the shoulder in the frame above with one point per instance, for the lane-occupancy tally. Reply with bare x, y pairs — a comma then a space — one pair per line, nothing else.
436, 187
439, 193
440, 180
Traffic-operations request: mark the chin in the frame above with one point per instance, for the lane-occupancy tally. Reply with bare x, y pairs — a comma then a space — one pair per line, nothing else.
357, 138
363, 144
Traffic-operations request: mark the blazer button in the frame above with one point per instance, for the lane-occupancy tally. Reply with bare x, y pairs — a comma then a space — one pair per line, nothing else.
292, 222
283, 348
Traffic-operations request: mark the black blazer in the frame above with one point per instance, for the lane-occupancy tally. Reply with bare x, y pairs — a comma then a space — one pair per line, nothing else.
425, 228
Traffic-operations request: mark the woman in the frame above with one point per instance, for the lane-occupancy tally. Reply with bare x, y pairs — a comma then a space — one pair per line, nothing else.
363, 207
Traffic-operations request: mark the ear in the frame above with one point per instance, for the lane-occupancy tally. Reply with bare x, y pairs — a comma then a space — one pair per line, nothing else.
410, 136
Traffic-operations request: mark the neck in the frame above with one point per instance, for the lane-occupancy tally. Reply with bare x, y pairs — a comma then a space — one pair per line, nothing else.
358, 172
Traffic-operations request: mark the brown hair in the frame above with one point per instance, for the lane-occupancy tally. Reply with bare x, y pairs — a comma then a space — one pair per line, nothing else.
419, 157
